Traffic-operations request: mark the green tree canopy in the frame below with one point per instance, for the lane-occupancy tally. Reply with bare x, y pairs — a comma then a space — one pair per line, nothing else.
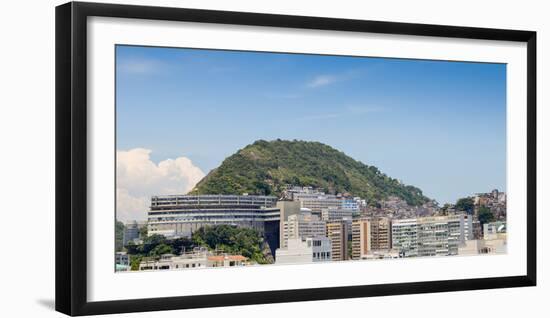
266, 167
119, 236
232, 239
465, 204
485, 215
161, 249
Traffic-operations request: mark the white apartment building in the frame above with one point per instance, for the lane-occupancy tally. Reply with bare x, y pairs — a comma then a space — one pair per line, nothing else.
427, 236
405, 237
466, 228
439, 235
298, 251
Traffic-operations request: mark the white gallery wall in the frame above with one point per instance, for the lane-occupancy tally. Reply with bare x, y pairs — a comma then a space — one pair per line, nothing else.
27, 161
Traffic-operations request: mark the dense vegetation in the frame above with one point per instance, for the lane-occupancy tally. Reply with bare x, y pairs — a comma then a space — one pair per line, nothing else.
485, 215
233, 240
224, 238
119, 235
267, 167
465, 204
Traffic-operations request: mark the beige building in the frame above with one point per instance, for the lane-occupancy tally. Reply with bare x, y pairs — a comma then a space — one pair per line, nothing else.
287, 208
360, 238
380, 233
372, 234
303, 225
338, 234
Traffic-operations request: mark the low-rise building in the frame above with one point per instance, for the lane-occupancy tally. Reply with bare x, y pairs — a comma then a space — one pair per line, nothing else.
226, 260
198, 258
476, 247
381, 254
492, 230
299, 251
122, 261
171, 262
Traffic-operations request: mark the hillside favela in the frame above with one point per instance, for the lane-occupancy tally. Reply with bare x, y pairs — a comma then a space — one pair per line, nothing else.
301, 202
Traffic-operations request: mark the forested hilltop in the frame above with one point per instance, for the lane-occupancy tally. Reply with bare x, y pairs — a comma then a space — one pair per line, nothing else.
266, 167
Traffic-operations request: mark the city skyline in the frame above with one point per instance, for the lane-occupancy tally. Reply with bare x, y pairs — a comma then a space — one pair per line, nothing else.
440, 126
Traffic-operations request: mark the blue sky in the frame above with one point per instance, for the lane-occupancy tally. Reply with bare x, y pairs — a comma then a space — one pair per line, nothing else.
437, 125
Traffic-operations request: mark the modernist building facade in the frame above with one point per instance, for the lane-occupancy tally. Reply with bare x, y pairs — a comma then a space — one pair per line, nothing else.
181, 215
405, 237
427, 236
439, 236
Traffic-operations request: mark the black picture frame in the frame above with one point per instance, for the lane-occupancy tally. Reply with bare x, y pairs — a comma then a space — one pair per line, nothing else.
71, 157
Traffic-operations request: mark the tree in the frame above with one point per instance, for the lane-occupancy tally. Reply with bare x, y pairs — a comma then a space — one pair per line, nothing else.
485, 215
133, 249
134, 262
232, 239
465, 204
119, 236
265, 167
445, 208
150, 242
161, 249
143, 232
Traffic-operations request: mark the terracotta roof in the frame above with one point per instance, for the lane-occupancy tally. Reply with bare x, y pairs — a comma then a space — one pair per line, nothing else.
220, 258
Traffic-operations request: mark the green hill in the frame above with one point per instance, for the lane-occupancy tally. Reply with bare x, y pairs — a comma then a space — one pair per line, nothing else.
266, 167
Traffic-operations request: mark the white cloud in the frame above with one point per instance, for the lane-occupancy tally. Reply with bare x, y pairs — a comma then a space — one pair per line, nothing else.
322, 80
138, 178
139, 65
329, 79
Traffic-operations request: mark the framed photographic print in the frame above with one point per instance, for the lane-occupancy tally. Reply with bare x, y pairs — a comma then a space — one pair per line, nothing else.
212, 158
